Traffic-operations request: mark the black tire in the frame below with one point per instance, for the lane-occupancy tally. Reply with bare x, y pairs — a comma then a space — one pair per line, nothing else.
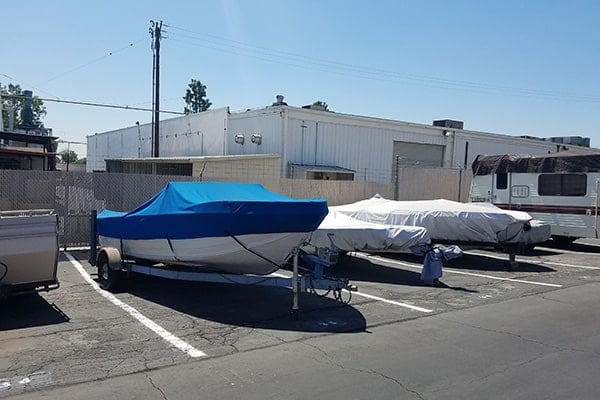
108, 278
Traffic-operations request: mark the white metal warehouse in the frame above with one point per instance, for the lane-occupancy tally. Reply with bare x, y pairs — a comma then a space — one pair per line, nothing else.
314, 143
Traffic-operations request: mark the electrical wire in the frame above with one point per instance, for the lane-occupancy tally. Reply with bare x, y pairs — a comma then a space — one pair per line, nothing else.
83, 103
301, 61
106, 55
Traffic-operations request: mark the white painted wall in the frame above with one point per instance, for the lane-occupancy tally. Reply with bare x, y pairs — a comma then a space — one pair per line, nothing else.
303, 136
197, 134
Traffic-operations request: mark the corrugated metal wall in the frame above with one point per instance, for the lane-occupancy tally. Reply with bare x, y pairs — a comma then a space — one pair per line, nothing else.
366, 146
267, 123
301, 136
197, 134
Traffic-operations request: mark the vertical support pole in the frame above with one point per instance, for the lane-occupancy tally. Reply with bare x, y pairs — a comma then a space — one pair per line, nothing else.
596, 209
512, 262
157, 38
397, 179
295, 286
460, 174
67, 214
93, 238
156, 35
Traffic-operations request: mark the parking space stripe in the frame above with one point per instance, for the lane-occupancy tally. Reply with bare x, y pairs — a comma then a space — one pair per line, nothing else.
568, 251
570, 265
460, 272
396, 303
148, 323
475, 253
504, 279
541, 262
370, 296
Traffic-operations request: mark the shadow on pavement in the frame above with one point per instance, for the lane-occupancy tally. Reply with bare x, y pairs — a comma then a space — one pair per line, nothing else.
249, 305
30, 310
575, 246
360, 269
478, 262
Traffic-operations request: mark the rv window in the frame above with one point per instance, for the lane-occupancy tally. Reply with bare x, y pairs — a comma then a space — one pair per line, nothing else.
502, 181
562, 185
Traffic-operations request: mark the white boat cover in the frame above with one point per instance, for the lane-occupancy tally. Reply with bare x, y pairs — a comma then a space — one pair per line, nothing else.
340, 232
445, 220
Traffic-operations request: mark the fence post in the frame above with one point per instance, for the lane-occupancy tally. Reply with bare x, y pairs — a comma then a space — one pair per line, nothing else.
93, 238
459, 185
397, 179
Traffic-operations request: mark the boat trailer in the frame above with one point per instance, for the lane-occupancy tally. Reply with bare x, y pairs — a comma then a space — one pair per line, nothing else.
113, 269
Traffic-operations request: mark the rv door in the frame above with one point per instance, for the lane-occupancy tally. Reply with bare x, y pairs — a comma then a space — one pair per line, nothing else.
500, 193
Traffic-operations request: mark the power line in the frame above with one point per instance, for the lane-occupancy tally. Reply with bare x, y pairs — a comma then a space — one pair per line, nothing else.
110, 53
29, 86
83, 103
301, 61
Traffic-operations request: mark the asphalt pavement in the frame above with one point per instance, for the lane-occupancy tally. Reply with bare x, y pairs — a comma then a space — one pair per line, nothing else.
488, 331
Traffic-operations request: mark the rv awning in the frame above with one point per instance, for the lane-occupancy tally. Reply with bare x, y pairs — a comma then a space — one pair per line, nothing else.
552, 162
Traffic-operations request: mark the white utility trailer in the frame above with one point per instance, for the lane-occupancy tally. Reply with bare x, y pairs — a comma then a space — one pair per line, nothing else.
28, 251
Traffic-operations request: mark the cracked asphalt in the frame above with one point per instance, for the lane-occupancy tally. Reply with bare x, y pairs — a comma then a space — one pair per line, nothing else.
492, 332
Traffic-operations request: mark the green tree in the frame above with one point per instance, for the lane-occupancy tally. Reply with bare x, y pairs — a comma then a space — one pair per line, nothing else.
68, 156
195, 98
320, 103
38, 108
82, 160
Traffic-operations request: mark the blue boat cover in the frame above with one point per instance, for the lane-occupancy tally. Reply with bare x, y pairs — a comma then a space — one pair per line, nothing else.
187, 210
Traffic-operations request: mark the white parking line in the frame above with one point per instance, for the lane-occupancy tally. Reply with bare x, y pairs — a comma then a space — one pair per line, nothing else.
396, 303
370, 296
541, 262
570, 265
148, 323
475, 253
458, 272
568, 251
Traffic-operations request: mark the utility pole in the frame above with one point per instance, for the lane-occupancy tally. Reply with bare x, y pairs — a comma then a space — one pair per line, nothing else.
156, 36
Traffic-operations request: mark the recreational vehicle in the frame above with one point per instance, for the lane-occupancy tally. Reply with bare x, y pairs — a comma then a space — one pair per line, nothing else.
559, 189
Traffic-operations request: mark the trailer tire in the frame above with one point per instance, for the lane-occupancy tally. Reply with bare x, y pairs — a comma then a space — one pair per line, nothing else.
109, 278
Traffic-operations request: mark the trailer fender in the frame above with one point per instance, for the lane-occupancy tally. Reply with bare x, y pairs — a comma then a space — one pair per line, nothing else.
110, 268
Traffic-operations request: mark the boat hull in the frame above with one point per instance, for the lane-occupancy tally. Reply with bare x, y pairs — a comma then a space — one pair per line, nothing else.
258, 254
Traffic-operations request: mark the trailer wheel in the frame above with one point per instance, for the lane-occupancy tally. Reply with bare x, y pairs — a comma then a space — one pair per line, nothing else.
108, 278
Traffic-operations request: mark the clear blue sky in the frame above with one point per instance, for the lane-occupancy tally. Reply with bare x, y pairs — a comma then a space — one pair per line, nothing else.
512, 67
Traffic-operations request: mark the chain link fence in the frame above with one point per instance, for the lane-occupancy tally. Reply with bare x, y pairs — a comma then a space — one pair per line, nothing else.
73, 195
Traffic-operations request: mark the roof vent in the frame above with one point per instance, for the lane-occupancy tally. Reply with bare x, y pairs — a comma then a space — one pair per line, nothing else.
448, 123
279, 101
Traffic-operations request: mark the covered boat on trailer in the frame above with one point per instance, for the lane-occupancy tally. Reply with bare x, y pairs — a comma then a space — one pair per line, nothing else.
450, 222
341, 232
234, 228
